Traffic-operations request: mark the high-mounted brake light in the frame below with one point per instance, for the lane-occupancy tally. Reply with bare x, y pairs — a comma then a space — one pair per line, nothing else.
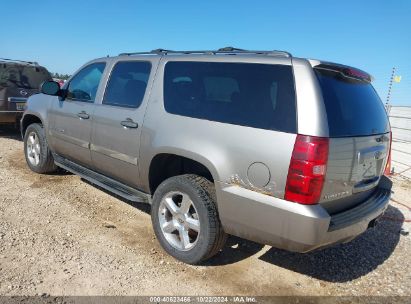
355, 73
307, 170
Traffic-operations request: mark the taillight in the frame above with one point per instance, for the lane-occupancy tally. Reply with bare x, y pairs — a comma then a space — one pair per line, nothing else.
307, 169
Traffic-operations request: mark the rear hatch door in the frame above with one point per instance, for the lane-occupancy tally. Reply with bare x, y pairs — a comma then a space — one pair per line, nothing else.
359, 134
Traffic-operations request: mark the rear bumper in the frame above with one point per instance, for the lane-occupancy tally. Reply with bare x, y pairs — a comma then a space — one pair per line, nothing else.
293, 226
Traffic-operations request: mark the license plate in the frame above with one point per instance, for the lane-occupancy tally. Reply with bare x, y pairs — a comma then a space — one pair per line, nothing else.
20, 106
368, 168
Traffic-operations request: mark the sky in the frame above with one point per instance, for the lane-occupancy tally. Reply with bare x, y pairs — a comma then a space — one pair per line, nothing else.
373, 35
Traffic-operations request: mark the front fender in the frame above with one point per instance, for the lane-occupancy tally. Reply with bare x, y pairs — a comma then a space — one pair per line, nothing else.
37, 106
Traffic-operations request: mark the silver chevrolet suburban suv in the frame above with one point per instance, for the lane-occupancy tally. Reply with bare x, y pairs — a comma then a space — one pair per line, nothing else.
280, 150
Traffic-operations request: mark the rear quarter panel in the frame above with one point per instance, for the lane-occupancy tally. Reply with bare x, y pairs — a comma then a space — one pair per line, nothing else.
312, 116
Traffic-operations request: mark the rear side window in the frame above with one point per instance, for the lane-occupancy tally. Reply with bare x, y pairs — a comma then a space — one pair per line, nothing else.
253, 95
353, 106
127, 84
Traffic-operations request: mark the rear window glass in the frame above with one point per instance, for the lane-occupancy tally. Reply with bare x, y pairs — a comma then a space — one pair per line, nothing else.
254, 95
23, 76
353, 106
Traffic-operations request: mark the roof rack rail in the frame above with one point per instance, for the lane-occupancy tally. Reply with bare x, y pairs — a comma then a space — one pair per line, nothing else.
224, 50
21, 61
230, 49
153, 52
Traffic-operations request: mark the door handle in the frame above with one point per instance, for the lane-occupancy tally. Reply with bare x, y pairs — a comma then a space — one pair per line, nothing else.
366, 185
83, 115
129, 123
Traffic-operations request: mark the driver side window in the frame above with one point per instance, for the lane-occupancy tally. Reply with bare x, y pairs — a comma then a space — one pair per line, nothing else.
84, 85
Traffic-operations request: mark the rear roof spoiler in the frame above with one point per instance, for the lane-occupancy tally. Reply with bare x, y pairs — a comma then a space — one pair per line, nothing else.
344, 70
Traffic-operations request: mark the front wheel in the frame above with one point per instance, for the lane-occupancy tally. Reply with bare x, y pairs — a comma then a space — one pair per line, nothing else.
37, 153
185, 218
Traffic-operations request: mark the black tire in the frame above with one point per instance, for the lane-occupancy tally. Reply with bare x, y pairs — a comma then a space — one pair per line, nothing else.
211, 237
46, 161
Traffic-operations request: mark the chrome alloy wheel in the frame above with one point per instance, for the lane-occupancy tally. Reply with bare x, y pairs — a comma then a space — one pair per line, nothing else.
179, 220
33, 148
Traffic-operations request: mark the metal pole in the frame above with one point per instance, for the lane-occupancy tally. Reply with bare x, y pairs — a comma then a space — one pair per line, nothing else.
387, 103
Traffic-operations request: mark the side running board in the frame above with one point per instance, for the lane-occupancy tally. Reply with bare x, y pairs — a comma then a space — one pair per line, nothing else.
105, 182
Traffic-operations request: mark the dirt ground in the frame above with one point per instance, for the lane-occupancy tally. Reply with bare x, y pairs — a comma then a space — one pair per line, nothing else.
62, 236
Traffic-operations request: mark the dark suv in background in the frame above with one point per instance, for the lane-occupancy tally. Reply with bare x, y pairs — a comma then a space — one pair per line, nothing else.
18, 81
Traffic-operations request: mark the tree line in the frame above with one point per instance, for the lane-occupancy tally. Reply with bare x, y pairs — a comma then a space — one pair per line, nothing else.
60, 76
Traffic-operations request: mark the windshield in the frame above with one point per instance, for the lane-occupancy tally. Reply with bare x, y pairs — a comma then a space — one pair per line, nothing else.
353, 106
22, 76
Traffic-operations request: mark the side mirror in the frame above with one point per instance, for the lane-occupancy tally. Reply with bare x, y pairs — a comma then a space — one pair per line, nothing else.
50, 88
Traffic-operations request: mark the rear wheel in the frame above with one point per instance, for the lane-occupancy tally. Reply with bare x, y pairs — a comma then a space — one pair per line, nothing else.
37, 153
185, 218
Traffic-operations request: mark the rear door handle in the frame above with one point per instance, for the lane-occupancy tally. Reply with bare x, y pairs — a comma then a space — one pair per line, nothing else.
129, 123
366, 185
83, 115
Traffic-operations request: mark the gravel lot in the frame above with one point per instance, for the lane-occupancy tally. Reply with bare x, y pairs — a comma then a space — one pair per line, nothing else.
62, 236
